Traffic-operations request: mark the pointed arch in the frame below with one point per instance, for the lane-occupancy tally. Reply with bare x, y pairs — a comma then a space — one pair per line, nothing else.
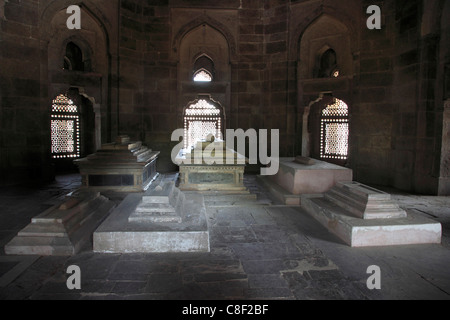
214, 24
315, 15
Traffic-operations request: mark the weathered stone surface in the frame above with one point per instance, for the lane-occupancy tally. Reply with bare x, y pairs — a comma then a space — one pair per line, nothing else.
121, 166
303, 179
363, 201
304, 160
64, 229
210, 166
383, 224
143, 224
308, 177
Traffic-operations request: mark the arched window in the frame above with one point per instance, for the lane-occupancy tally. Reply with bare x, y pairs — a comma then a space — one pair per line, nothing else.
328, 65
203, 69
202, 75
201, 119
73, 60
65, 128
334, 131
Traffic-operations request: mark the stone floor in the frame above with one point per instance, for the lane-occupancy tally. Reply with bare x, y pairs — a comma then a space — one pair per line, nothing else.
258, 251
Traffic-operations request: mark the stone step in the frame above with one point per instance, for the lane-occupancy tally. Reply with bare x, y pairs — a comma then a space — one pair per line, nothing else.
363, 190
126, 232
43, 246
150, 208
280, 193
160, 194
230, 197
155, 199
81, 235
143, 153
58, 215
373, 210
63, 229
141, 150
56, 230
363, 201
236, 203
85, 215
156, 217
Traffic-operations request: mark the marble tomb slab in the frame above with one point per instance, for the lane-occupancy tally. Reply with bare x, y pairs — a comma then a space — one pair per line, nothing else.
160, 220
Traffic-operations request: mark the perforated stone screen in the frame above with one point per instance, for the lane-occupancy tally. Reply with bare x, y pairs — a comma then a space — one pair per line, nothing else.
65, 129
334, 131
201, 119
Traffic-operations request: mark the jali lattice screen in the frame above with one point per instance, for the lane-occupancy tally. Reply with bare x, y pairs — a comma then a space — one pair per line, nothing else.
200, 120
65, 128
334, 131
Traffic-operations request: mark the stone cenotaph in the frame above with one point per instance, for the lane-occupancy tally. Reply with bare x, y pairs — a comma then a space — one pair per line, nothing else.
123, 166
211, 166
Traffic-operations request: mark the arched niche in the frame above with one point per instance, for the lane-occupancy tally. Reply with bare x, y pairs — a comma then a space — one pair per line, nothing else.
326, 130
323, 34
90, 80
204, 41
90, 39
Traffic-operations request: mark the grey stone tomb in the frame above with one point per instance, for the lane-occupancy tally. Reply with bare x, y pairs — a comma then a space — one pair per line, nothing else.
163, 219
65, 228
362, 216
123, 166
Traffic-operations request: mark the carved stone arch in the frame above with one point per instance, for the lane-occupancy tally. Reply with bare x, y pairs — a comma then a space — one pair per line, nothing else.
206, 20
335, 34
87, 6
318, 59
203, 61
94, 41
80, 42
344, 18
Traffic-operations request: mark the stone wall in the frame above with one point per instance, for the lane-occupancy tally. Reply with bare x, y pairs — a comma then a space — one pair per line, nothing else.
265, 54
23, 124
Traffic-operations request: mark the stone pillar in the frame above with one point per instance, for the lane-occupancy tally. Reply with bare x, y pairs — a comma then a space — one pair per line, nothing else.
444, 177
98, 126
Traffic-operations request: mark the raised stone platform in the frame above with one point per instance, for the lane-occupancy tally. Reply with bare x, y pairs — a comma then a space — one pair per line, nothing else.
123, 166
64, 229
163, 219
297, 176
362, 216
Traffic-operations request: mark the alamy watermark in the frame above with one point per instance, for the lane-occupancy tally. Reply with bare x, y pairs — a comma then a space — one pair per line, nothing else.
74, 280
74, 21
213, 154
373, 22
374, 281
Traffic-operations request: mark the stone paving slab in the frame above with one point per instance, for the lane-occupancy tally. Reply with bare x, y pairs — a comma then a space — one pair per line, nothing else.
266, 252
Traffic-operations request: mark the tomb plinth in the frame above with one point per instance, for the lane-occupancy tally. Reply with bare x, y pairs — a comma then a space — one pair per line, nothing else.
163, 219
302, 175
124, 166
362, 216
64, 229
211, 166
